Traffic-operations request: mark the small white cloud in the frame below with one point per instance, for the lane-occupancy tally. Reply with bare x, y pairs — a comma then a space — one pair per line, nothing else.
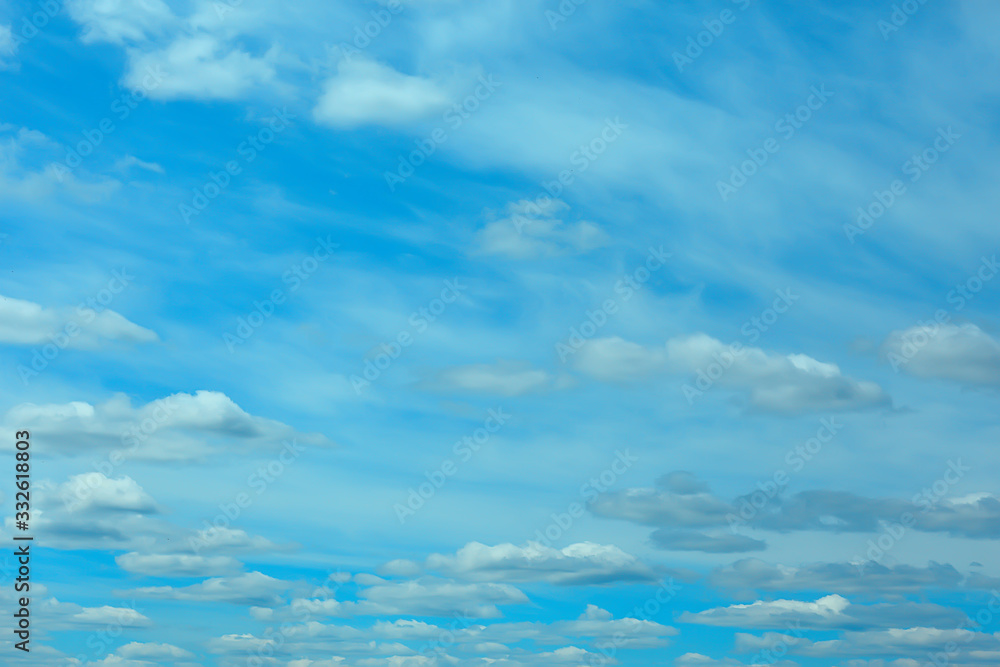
107, 615
531, 229
108, 495
595, 613
126, 163
31, 170
365, 92
152, 651
8, 47
792, 384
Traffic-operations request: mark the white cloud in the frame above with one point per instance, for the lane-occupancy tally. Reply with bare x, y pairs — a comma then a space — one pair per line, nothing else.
252, 588
26, 323
487, 641
178, 427
427, 596
585, 563
962, 353
912, 641
769, 614
829, 612
200, 67
152, 651
791, 383
30, 170
754, 574
110, 495
617, 360
532, 230
680, 502
92, 511
70, 615
699, 660
365, 92
126, 163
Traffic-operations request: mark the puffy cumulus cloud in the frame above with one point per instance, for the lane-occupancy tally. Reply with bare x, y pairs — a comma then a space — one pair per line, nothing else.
844, 578
178, 427
585, 563
365, 92
958, 352
252, 588
110, 513
178, 565
532, 229
784, 384
832, 612
108, 495
504, 378
773, 614
426, 596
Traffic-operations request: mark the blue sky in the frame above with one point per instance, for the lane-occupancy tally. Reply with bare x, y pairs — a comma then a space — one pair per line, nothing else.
425, 332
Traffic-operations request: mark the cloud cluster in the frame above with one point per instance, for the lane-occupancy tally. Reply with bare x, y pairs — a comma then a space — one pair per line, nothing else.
679, 503
784, 384
958, 352
178, 427
581, 564
531, 229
